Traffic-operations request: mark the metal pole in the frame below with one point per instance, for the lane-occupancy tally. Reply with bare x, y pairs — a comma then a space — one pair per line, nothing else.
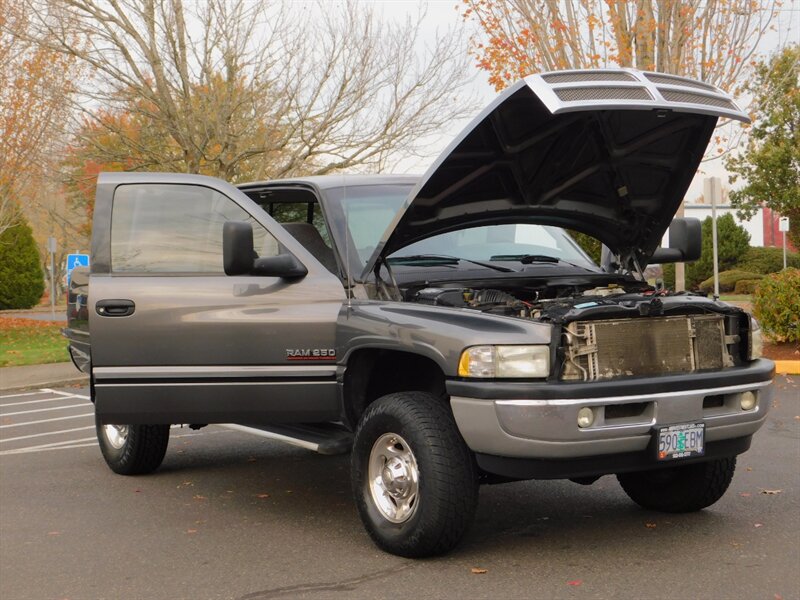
680, 268
783, 227
712, 187
51, 245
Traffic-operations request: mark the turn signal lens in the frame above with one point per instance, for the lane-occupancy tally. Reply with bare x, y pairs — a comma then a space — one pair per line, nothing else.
756, 346
505, 361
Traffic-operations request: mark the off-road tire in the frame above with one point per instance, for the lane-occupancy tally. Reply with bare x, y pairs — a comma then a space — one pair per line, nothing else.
448, 482
687, 488
141, 453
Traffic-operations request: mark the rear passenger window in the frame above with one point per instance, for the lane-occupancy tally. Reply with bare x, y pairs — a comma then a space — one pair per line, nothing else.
159, 228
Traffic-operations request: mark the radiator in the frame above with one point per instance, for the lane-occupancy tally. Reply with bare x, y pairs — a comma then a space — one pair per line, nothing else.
615, 348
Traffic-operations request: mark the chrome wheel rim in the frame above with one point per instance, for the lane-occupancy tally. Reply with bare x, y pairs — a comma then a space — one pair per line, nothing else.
393, 478
116, 435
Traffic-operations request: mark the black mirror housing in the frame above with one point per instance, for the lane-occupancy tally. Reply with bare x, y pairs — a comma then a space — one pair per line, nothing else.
685, 242
237, 248
239, 256
283, 265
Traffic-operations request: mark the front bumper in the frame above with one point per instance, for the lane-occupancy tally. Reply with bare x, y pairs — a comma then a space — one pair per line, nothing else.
545, 427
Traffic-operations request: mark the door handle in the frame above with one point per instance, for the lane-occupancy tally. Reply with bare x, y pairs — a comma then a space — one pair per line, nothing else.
115, 308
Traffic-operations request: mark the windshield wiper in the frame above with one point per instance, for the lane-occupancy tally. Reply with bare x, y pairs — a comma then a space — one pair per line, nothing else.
443, 259
526, 259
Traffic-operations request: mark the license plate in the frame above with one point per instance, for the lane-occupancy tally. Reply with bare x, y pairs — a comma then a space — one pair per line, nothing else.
681, 441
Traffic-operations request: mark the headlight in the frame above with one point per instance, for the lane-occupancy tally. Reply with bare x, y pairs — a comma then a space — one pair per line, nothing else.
755, 347
505, 361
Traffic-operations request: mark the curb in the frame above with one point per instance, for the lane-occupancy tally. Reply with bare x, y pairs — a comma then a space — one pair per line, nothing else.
50, 383
40, 376
787, 367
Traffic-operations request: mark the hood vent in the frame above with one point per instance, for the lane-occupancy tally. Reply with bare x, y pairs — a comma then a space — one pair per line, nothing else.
690, 98
581, 76
661, 78
580, 94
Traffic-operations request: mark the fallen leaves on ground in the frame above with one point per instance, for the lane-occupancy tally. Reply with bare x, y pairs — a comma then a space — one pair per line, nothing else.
771, 492
262, 495
190, 531
575, 582
10, 323
478, 571
745, 494
758, 524
650, 525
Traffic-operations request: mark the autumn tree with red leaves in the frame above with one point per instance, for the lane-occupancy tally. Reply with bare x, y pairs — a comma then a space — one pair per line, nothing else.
34, 88
710, 40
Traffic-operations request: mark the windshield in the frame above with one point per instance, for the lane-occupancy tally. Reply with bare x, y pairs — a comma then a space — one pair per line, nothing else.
502, 243
369, 210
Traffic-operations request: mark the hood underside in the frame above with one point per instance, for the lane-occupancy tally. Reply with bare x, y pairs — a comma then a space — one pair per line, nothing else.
609, 153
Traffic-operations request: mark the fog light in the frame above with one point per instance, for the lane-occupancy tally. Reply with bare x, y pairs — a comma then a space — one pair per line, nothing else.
748, 401
585, 417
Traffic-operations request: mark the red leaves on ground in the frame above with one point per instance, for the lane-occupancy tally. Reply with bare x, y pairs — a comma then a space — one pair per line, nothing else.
13, 324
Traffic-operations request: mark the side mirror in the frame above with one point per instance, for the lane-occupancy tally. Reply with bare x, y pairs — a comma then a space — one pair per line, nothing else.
239, 256
685, 242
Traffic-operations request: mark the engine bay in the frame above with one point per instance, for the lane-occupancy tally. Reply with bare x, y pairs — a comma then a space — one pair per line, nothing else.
553, 303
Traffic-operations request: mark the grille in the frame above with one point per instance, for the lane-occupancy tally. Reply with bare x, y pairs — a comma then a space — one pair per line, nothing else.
612, 349
667, 79
602, 93
691, 98
588, 76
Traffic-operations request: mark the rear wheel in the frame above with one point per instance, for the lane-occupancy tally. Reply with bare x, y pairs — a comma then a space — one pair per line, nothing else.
680, 489
133, 449
414, 478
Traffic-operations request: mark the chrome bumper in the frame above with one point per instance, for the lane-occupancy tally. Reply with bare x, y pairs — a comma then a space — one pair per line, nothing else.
548, 428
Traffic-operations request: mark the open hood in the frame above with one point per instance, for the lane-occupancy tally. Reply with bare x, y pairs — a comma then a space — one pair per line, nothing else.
607, 152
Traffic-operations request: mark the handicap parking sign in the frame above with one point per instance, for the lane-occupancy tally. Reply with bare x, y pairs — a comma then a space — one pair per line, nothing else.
76, 260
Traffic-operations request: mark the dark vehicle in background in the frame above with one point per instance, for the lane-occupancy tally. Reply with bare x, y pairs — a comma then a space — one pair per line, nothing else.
445, 329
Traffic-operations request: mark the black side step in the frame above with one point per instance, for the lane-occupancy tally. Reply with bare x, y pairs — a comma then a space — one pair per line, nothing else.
324, 438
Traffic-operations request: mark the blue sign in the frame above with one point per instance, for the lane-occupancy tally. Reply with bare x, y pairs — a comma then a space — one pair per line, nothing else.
75, 260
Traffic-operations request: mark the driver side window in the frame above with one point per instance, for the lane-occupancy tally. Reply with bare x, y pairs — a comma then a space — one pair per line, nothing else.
158, 228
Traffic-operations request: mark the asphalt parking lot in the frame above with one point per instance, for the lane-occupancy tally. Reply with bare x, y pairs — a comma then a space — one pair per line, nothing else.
232, 515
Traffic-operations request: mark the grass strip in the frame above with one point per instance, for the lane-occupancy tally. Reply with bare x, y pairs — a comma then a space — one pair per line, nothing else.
31, 342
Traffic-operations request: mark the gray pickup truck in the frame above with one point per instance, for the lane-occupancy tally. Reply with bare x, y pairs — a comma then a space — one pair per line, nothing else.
446, 330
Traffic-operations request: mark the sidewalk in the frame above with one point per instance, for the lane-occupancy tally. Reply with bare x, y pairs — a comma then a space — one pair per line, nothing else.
38, 376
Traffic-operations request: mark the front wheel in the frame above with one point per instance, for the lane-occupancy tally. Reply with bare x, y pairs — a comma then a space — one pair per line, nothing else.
133, 449
414, 479
681, 489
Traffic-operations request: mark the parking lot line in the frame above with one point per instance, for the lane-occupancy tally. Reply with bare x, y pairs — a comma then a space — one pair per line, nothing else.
68, 445
38, 410
45, 420
20, 395
36, 401
65, 394
35, 435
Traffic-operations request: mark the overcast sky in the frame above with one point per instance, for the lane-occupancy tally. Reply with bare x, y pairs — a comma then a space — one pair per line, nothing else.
444, 14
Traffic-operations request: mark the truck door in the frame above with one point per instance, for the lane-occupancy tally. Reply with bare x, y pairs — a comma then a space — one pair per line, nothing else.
174, 339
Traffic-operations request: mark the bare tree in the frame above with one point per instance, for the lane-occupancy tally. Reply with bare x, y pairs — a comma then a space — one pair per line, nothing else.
251, 89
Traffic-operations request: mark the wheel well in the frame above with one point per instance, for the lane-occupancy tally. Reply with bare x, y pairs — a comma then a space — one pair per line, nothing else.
373, 373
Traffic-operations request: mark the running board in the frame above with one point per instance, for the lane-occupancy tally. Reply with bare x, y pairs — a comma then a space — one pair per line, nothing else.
323, 438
